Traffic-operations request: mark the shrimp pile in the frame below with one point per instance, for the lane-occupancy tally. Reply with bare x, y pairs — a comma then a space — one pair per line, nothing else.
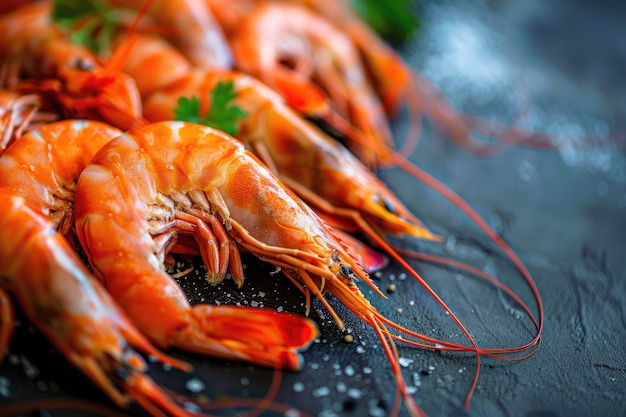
206, 130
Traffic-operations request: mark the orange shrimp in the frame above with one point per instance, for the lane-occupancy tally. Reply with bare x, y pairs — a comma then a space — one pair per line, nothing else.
67, 75
318, 168
176, 177
61, 298
305, 58
191, 27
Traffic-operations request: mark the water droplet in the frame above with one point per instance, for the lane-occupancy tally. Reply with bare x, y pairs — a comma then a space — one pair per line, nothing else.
5, 391
355, 393
321, 392
526, 171
405, 362
298, 387
450, 245
194, 408
194, 385
292, 413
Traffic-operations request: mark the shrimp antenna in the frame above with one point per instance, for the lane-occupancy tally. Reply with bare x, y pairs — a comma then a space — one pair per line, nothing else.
447, 193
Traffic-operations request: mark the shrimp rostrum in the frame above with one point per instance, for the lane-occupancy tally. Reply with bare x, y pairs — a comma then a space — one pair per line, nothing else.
61, 298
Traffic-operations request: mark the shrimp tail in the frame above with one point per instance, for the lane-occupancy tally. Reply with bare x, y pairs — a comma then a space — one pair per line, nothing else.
261, 336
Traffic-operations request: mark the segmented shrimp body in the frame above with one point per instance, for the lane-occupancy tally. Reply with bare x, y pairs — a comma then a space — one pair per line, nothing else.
44, 165
167, 65
318, 168
61, 298
301, 55
67, 75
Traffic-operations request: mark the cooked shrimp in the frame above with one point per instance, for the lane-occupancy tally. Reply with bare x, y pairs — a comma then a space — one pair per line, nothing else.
191, 27
317, 167
61, 298
305, 58
172, 177
67, 75
136, 277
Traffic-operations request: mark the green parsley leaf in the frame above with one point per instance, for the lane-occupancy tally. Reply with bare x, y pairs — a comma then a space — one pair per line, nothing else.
222, 115
394, 20
91, 23
188, 110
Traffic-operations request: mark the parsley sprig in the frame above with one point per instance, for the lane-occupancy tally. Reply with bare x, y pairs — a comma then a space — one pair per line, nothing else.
91, 23
222, 114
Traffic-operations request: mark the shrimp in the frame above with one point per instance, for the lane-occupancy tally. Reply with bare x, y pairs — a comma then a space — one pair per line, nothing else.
65, 74
176, 177
318, 168
307, 59
191, 27
61, 298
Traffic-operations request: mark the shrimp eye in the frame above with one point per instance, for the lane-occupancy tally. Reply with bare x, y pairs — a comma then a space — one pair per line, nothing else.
388, 205
346, 271
84, 64
122, 373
